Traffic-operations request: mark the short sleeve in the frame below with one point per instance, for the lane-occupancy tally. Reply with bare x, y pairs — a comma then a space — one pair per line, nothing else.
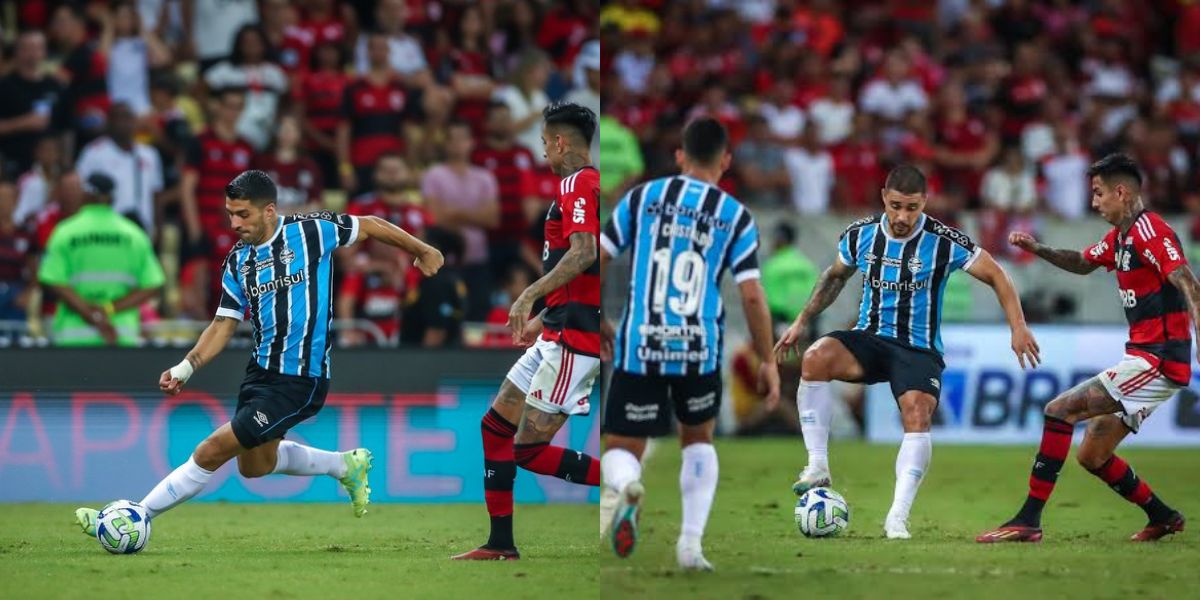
579, 201
963, 251
743, 253
233, 298
54, 270
846, 253
618, 232
1103, 253
1159, 245
338, 230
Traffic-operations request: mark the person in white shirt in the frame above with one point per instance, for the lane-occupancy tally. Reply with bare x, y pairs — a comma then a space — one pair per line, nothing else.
895, 95
1009, 186
785, 119
525, 97
833, 114
131, 51
134, 167
212, 26
264, 81
1065, 173
587, 86
404, 51
35, 186
810, 168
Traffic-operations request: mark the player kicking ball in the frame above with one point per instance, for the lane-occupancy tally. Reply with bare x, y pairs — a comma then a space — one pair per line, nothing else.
905, 257
553, 379
280, 273
1159, 293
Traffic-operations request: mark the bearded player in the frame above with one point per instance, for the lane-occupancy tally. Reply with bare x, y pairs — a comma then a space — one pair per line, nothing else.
905, 257
553, 379
1159, 293
279, 276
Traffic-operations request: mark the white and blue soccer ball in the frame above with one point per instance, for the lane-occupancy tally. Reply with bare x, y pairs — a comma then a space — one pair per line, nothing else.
123, 527
822, 512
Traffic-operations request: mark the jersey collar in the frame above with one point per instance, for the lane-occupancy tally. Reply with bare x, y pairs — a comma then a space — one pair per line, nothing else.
887, 231
278, 228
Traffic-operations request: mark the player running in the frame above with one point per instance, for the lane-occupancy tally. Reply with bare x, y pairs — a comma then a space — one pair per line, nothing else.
905, 257
1159, 293
280, 272
683, 233
553, 379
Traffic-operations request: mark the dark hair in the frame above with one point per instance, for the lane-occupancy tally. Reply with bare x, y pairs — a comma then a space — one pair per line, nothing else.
785, 233
497, 105
255, 186
448, 241
237, 56
343, 56
1114, 167
705, 140
573, 116
906, 179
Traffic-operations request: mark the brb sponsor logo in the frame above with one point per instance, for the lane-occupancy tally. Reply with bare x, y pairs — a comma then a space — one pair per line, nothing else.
994, 398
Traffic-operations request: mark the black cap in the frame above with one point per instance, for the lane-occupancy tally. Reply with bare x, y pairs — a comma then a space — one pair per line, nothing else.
99, 184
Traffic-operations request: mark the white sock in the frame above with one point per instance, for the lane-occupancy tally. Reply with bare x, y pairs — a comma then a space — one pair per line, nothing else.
295, 459
178, 487
698, 485
619, 467
816, 411
911, 464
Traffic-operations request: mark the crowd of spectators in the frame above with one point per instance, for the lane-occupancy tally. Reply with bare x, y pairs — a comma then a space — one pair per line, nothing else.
425, 112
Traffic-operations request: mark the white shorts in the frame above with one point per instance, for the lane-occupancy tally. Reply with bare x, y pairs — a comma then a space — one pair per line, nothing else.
554, 379
1139, 387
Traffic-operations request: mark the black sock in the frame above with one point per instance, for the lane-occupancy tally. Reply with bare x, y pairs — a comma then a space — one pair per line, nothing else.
1157, 510
502, 535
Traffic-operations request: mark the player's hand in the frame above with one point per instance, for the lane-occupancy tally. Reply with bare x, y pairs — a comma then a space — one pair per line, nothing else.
1026, 347
1022, 240
430, 261
608, 336
529, 335
768, 384
518, 316
169, 385
790, 341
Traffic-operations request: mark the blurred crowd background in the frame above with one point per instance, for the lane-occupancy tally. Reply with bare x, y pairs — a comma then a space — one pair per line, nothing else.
425, 112
1002, 103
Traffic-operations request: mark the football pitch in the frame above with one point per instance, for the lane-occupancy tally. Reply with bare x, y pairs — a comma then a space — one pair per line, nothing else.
758, 553
224, 551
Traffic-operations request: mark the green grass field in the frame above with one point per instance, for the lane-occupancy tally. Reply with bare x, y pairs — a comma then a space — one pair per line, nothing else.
758, 553
225, 551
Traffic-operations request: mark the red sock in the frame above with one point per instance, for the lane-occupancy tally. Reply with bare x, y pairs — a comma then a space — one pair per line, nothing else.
499, 471
1120, 477
565, 464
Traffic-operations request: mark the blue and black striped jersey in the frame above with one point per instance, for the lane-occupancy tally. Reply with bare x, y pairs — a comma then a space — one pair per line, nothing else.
284, 286
904, 279
683, 235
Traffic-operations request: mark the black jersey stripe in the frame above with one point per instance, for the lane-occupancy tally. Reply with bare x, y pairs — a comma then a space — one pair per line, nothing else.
312, 248
941, 271
904, 306
708, 207
874, 278
671, 198
280, 302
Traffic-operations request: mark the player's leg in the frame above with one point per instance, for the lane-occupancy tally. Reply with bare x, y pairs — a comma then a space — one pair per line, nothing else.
912, 461
828, 359
1086, 400
562, 386
636, 410
1096, 454
697, 402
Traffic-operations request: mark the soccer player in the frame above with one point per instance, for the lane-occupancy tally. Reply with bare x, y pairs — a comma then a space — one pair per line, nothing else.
1159, 293
554, 378
279, 272
905, 257
684, 233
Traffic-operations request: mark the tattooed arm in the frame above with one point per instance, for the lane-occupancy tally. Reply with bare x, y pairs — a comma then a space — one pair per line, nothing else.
1067, 260
1185, 280
212, 341
578, 258
828, 287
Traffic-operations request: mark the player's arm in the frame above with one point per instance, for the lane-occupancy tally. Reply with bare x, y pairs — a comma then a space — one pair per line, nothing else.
212, 341
1185, 281
828, 287
1065, 259
428, 259
986, 269
578, 258
758, 319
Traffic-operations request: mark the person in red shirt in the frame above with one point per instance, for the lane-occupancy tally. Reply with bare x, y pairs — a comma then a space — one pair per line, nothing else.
320, 96
322, 22
856, 162
554, 378
465, 67
965, 145
513, 166
84, 71
374, 109
214, 158
1161, 298
297, 177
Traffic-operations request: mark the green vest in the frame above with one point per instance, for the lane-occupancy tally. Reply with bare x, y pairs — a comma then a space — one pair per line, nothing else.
102, 256
788, 278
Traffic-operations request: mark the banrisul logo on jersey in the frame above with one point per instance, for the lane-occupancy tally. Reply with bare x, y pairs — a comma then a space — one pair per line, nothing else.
285, 281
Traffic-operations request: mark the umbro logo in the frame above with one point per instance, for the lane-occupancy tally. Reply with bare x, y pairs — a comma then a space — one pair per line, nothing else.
260, 418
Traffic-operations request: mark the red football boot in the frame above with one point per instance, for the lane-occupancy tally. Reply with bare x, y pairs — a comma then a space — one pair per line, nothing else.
1154, 531
485, 553
1010, 533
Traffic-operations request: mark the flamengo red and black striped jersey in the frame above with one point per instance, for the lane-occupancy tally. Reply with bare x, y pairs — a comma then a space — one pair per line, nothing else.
217, 162
1155, 308
573, 311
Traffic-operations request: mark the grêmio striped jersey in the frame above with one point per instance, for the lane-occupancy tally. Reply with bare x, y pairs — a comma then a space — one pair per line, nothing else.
682, 234
283, 286
904, 279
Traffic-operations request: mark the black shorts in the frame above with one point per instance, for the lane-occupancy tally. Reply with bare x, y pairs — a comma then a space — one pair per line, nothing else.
270, 403
904, 367
642, 405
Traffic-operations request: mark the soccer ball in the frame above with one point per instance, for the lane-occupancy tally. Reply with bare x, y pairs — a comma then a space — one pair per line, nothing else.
822, 512
123, 527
